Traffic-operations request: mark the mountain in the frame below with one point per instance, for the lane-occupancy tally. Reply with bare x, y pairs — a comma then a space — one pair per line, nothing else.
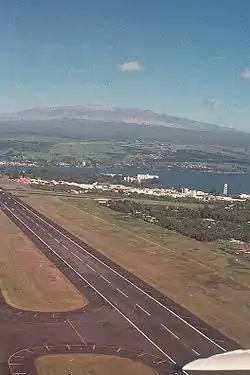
95, 122
112, 114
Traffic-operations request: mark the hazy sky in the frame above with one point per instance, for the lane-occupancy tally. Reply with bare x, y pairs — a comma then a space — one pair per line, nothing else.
188, 58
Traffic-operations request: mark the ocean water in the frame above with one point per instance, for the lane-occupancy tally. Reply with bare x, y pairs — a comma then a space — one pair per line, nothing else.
206, 181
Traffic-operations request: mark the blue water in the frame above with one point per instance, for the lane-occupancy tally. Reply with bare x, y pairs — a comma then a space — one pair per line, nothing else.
206, 181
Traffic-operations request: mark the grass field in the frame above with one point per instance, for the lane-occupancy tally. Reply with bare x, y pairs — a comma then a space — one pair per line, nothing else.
28, 280
90, 365
197, 275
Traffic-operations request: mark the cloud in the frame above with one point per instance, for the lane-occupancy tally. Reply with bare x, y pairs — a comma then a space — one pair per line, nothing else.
246, 74
209, 102
131, 66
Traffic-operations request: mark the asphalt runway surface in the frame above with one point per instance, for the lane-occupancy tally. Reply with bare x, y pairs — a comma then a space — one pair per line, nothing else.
124, 315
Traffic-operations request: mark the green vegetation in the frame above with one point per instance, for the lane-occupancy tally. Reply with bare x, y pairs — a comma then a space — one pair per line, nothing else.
204, 223
90, 364
132, 151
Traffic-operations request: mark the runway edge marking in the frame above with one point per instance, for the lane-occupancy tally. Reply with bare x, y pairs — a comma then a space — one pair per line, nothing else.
96, 290
124, 278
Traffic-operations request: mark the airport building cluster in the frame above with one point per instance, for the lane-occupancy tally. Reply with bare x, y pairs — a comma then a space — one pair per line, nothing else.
78, 188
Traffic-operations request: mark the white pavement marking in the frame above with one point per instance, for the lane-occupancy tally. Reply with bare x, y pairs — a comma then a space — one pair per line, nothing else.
142, 309
16, 364
104, 278
65, 247
130, 282
56, 240
76, 256
49, 234
93, 347
169, 331
76, 331
196, 352
142, 354
97, 291
162, 361
118, 350
120, 291
68, 347
90, 267
29, 351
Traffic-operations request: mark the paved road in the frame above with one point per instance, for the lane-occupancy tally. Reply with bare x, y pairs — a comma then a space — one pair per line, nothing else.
174, 332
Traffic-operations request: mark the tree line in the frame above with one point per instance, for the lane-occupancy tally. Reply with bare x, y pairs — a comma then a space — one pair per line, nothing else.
204, 223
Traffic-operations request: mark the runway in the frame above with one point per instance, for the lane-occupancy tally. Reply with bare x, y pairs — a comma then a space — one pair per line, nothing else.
171, 331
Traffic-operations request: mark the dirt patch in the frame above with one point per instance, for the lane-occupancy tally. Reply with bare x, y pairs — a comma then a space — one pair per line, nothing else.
28, 280
83, 364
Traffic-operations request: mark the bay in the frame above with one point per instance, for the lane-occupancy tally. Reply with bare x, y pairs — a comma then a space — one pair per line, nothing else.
206, 181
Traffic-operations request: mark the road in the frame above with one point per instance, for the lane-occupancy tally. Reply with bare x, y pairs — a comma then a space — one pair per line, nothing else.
175, 333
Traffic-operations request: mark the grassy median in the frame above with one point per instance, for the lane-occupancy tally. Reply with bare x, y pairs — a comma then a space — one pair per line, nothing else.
28, 280
83, 364
199, 276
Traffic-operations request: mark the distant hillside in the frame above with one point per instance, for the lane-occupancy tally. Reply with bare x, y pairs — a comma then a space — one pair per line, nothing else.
113, 114
98, 123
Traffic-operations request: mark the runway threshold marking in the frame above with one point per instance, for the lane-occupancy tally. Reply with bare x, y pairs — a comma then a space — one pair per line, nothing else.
104, 278
76, 331
169, 331
130, 282
75, 255
121, 291
142, 308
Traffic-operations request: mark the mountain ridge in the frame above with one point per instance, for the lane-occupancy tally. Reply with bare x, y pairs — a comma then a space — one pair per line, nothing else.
100, 113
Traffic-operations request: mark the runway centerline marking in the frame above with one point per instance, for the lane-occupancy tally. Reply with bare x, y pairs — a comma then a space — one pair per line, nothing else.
196, 352
104, 278
76, 256
90, 267
169, 331
65, 247
76, 332
49, 234
97, 291
127, 280
121, 291
56, 240
142, 309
